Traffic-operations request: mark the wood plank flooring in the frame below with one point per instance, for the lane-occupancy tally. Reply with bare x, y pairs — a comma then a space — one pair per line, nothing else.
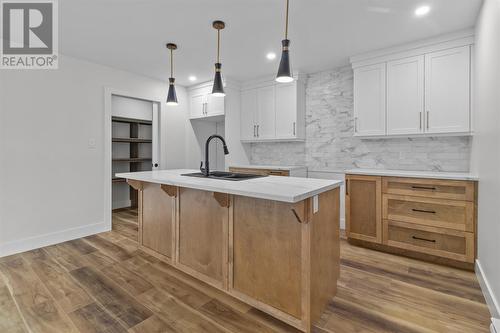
103, 283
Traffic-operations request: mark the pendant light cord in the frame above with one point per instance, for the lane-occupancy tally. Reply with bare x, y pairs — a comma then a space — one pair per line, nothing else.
218, 45
286, 20
171, 63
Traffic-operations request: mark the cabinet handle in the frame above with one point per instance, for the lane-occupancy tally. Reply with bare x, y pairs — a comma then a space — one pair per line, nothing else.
254, 134
423, 211
428, 119
420, 119
424, 239
355, 124
257, 130
416, 187
347, 187
294, 128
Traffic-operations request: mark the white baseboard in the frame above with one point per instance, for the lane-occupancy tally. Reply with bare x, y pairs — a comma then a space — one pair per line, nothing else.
36, 242
488, 293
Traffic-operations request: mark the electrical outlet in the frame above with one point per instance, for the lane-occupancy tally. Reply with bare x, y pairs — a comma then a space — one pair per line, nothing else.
92, 144
315, 204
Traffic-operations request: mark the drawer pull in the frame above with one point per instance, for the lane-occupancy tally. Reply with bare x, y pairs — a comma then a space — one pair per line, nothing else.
423, 211
416, 187
424, 239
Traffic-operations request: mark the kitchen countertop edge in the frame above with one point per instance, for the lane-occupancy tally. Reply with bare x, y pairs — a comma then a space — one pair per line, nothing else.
414, 174
173, 177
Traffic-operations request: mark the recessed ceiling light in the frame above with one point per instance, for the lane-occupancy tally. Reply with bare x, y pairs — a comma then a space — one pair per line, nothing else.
422, 11
192, 78
271, 56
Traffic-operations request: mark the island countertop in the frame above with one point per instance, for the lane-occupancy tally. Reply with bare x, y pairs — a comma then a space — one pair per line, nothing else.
285, 189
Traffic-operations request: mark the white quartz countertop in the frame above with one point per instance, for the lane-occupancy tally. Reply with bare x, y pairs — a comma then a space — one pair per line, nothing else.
413, 174
286, 189
273, 167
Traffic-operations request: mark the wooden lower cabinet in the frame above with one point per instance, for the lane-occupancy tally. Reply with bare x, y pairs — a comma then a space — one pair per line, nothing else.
363, 207
201, 230
263, 172
431, 219
452, 244
281, 258
450, 214
157, 219
261, 227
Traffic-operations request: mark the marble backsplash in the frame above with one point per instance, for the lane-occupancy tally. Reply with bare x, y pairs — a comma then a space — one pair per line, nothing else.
330, 145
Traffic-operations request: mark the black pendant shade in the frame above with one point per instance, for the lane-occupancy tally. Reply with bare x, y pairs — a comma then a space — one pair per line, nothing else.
284, 71
171, 96
218, 87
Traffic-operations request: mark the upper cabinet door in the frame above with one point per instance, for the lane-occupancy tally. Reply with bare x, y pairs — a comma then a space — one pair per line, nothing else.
248, 110
266, 114
369, 100
197, 105
286, 110
405, 96
214, 106
447, 91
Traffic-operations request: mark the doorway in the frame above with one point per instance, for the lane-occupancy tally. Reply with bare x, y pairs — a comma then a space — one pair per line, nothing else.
132, 134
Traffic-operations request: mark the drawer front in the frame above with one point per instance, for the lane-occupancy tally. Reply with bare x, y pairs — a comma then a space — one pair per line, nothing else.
430, 188
264, 172
444, 243
451, 214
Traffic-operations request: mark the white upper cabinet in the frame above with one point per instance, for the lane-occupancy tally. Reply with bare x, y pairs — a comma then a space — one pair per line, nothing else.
202, 104
266, 116
215, 105
412, 90
248, 122
197, 105
405, 96
287, 113
273, 111
447, 91
369, 100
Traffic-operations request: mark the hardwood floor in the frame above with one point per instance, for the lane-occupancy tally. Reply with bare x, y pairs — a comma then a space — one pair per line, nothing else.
102, 283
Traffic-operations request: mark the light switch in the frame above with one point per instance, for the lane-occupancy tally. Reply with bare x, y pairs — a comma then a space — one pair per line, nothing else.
315, 204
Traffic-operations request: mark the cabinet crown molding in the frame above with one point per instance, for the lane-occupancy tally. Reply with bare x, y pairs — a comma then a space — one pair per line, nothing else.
442, 42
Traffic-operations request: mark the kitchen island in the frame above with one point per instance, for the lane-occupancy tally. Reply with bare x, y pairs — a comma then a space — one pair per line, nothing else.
272, 242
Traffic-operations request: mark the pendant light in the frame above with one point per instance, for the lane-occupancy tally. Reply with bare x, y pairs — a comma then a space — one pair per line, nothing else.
172, 96
218, 88
284, 71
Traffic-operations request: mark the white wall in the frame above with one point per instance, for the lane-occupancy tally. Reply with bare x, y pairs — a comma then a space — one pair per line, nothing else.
51, 179
485, 159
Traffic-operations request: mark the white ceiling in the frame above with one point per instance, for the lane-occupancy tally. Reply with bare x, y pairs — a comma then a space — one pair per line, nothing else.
131, 34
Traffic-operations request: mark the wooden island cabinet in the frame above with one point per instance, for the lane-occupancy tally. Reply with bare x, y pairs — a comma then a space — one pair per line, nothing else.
280, 256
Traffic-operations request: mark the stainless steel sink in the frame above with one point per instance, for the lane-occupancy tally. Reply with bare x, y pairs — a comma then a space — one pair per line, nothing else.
224, 175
